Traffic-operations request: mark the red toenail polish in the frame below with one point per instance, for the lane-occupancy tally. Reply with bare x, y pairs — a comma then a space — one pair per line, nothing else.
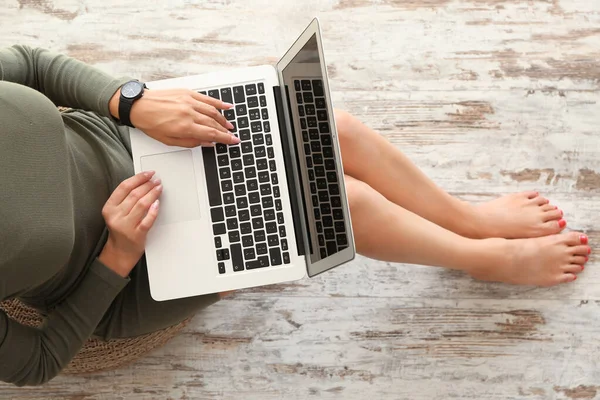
574, 277
582, 267
584, 239
556, 207
562, 223
589, 250
586, 258
561, 213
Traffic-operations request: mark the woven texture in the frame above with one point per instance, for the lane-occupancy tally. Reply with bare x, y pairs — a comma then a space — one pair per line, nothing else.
98, 355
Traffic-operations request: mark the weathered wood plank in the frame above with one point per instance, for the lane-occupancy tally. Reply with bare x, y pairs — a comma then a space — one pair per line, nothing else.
486, 96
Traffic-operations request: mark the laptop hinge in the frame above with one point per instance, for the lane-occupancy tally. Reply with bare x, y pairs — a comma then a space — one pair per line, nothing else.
289, 160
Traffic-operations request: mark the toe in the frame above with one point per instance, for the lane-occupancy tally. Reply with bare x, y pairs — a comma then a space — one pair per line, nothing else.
531, 194
540, 200
566, 278
580, 260
553, 215
581, 250
554, 226
548, 207
573, 268
575, 239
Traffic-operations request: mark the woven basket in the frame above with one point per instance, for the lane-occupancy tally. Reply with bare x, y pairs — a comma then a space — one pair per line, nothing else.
98, 355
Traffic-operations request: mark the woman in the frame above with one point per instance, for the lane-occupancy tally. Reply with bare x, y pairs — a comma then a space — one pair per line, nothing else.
74, 220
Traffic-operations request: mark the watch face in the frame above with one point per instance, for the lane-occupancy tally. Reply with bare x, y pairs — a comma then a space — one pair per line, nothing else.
132, 89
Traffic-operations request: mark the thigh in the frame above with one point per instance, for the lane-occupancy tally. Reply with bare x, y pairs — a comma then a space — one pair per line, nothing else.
135, 313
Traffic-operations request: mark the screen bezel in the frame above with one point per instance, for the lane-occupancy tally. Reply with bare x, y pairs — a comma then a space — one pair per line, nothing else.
349, 252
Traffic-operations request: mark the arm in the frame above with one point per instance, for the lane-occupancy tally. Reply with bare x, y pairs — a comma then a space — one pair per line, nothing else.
65, 81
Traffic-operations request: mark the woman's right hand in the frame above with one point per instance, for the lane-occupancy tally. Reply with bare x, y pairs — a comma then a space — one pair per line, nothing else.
129, 213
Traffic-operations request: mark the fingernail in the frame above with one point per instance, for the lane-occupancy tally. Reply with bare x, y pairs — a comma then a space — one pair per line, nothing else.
228, 105
155, 180
229, 125
235, 140
155, 204
149, 174
562, 223
158, 188
583, 239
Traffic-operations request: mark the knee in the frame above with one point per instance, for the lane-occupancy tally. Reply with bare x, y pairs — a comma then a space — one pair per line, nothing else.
358, 193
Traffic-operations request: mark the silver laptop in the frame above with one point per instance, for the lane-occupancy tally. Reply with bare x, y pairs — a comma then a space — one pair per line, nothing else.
270, 209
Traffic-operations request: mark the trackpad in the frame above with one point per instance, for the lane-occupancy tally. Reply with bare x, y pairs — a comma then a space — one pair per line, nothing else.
179, 200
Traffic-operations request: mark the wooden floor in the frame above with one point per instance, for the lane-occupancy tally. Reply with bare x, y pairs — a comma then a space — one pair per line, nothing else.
487, 96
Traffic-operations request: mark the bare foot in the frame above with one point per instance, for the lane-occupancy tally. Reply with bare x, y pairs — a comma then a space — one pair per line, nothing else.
517, 216
545, 261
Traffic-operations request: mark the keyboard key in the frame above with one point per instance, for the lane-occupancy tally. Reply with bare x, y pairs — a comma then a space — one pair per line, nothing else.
261, 88
264, 113
297, 86
259, 236
232, 223
202, 92
212, 181
258, 139
248, 159
261, 262
331, 177
256, 210
246, 147
241, 109
326, 140
320, 102
243, 122
247, 241
272, 166
308, 97
252, 185
319, 227
301, 112
226, 95
321, 184
315, 200
223, 160
314, 134
284, 244
263, 101
319, 171
236, 165
307, 149
317, 159
214, 94
265, 190
338, 214
286, 258
256, 126
322, 115
309, 109
327, 221
317, 213
274, 179
303, 123
313, 188
334, 189
267, 202
278, 205
342, 240
220, 254
238, 94
238, 177
270, 152
312, 122
228, 198
260, 151
257, 223
242, 202
271, 227
325, 209
323, 252
217, 214
299, 98
221, 267
269, 215
250, 89
339, 226
331, 248
245, 228
262, 164
266, 126
261, 248
282, 231
221, 148
306, 85
240, 190
280, 218
230, 211
252, 102
229, 115
249, 254
321, 240
218, 243
219, 229
329, 234
276, 192
234, 236
244, 215
318, 87
263, 176
275, 256
250, 172
272, 240
330, 164
309, 162
244, 134
323, 196
236, 257
254, 198
324, 127
254, 114
268, 139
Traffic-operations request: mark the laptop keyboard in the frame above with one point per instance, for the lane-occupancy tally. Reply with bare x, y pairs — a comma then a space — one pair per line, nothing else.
322, 171
243, 186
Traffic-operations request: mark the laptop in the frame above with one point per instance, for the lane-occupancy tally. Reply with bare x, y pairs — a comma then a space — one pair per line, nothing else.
270, 209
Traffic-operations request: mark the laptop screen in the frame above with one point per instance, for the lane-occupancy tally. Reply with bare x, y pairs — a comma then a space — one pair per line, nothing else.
318, 161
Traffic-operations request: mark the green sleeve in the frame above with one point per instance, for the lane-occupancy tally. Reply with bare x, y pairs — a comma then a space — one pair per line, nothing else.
64, 80
33, 356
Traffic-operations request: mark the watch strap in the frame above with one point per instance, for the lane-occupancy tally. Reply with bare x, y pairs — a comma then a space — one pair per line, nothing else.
125, 106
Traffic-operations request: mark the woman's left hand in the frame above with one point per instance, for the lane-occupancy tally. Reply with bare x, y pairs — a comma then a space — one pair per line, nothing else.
179, 117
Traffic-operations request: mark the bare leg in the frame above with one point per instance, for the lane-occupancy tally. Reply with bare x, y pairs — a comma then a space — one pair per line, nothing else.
386, 231
370, 158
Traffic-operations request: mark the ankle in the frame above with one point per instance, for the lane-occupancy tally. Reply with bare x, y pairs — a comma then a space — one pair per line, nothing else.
468, 221
487, 255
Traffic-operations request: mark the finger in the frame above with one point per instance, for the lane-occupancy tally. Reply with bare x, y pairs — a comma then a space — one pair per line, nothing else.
212, 112
140, 209
150, 217
207, 134
136, 194
213, 102
202, 119
207, 144
125, 187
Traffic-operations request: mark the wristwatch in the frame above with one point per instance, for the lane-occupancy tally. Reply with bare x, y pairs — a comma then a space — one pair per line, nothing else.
130, 92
